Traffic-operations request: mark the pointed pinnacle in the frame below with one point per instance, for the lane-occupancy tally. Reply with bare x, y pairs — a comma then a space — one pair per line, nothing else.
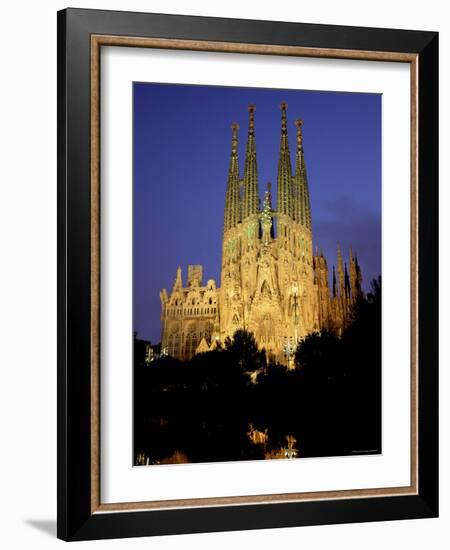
283, 116
299, 124
251, 120
234, 138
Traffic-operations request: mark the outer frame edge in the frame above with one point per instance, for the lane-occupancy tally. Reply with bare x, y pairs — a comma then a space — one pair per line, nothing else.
245, 518
424, 505
61, 279
428, 179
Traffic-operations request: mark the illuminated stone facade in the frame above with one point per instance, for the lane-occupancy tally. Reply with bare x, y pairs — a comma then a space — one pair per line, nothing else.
271, 282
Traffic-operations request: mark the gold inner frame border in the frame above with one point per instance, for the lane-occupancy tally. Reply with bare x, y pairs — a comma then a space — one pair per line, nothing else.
97, 41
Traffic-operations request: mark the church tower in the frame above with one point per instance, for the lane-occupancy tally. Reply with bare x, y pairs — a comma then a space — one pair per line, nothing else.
250, 221
284, 179
271, 283
231, 302
232, 202
268, 277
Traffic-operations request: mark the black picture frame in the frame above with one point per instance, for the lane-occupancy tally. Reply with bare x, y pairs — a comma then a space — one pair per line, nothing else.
75, 518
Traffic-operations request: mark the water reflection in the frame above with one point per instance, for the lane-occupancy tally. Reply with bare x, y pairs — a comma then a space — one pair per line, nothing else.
259, 438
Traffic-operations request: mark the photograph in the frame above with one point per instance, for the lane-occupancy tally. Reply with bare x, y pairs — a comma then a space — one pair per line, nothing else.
257, 292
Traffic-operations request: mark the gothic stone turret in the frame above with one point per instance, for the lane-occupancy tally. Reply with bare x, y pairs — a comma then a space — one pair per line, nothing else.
189, 314
271, 283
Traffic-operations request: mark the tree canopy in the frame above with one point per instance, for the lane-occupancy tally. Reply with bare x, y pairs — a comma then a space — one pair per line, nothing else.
204, 409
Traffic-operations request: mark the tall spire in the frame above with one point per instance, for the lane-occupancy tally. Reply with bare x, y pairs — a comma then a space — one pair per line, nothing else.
266, 217
346, 282
358, 276
353, 275
284, 181
302, 206
334, 283
178, 283
232, 201
340, 269
251, 195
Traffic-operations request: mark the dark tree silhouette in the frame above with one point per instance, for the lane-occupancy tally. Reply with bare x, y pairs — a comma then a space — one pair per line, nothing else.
201, 410
362, 354
319, 356
244, 348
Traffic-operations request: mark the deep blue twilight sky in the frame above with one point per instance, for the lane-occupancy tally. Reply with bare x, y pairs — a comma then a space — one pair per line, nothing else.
182, 141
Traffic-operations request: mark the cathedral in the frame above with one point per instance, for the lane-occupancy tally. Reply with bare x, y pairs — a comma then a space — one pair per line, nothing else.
272, 283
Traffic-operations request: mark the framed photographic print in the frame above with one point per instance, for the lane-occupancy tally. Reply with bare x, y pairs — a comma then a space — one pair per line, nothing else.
247, 274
